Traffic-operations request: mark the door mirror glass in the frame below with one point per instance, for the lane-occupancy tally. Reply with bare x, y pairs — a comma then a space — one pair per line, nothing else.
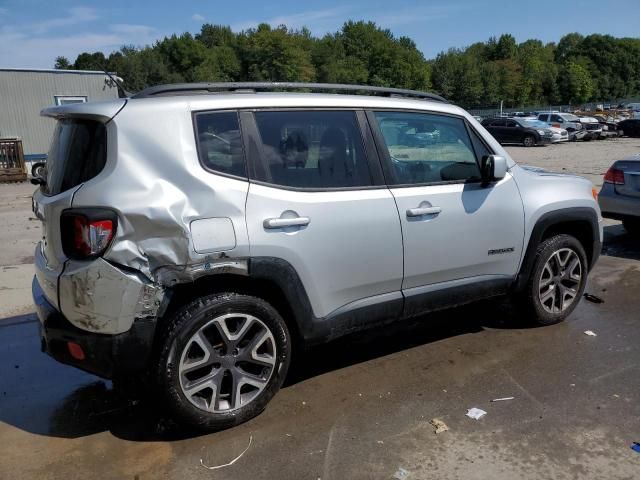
494, 167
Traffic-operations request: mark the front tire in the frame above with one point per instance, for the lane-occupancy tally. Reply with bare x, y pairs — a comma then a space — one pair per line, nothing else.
223, 358
557, 280
529, 141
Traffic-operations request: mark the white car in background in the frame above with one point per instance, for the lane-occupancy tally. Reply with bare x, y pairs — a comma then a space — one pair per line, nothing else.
559, 134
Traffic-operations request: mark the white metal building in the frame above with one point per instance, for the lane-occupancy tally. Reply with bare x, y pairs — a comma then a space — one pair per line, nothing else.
24, 92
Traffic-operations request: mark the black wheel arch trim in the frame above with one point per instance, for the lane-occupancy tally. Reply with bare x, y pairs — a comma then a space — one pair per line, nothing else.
554, 218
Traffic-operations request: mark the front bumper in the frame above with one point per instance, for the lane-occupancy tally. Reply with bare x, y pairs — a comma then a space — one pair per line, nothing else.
105, 355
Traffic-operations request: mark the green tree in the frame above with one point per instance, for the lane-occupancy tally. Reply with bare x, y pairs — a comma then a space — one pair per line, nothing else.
576, 83
62, 63
274, 54
90, 61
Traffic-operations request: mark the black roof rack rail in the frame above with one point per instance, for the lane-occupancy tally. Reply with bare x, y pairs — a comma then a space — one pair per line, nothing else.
204, 88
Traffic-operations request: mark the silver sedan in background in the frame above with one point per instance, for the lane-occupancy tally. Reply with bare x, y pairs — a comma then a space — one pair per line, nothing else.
620, 194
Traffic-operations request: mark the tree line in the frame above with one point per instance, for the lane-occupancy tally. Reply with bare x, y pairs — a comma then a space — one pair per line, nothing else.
577, 69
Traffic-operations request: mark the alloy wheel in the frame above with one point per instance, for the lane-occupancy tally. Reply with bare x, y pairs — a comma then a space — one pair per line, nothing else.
227, 363
560, 280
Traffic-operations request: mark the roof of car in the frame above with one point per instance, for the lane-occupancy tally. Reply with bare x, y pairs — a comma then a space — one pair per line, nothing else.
174, 89
221, 101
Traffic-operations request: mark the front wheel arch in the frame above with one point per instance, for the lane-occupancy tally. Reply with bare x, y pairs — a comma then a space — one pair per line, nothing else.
579, 222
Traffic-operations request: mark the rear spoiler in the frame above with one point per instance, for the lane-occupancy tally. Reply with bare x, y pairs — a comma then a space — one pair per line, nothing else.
100, 111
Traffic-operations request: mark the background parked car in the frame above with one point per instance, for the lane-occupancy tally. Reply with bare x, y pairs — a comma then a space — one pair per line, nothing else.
568, 121
630, 127
593, 128
559, 134
512, 130
620, 194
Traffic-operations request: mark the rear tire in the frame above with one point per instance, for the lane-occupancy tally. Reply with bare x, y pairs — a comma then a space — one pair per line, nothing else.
556, 282
38, 170
529, 141
223, 357
632, 225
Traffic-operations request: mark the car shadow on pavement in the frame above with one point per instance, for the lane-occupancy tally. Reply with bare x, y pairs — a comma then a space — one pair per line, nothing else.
619, 243
388, 339
61, 401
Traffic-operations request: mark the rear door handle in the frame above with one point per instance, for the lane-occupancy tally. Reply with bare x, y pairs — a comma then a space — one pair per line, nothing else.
286, 222
420, 211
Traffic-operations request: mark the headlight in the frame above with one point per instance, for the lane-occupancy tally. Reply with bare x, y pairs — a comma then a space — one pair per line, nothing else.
541, 132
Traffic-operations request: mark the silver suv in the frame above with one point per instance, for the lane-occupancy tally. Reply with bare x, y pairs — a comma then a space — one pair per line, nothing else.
194, 234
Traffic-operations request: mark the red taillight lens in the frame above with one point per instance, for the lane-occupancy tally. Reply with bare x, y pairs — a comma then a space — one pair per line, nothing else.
87, 234
614, 176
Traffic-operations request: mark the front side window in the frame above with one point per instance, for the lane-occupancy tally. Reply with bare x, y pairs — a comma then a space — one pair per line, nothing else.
220, 142
311, 149
427, 148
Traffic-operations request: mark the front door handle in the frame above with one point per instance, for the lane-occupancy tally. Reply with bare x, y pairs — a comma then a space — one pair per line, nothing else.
420, 211
286, 222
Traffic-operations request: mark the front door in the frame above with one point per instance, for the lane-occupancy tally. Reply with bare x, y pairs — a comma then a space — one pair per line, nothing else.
456, 232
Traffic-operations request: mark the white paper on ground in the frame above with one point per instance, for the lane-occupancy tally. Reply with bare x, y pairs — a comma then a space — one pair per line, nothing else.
476, 413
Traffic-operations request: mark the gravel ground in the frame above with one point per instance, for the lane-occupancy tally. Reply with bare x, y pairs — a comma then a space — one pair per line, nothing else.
589, 159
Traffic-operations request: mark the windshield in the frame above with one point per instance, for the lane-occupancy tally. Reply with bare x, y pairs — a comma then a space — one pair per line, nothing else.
536, 124
570, 118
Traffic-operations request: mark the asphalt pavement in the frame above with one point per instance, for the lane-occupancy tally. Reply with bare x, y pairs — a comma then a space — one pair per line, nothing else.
360, 407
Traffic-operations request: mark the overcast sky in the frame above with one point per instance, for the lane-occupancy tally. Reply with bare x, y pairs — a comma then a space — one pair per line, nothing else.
34, 32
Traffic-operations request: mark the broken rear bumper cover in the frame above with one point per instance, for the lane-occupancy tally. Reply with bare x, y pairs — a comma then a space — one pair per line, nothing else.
104, 355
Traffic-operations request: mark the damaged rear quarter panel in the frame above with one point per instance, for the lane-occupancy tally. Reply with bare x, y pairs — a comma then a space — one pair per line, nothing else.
157, 186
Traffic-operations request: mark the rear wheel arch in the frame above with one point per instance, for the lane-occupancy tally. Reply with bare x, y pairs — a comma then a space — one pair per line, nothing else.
271, 279
579, 222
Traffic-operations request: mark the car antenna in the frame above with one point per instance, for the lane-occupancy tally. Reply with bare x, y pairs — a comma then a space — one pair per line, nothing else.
115, 80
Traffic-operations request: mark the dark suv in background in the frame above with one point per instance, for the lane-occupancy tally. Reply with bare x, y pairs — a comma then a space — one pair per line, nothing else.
512, 130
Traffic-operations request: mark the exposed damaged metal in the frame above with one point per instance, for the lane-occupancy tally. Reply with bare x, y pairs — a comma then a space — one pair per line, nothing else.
100, 297
171, 275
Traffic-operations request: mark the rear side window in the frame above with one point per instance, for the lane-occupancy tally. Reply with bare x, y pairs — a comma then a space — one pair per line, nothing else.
220, 142
312, 149
78, 153
427, 148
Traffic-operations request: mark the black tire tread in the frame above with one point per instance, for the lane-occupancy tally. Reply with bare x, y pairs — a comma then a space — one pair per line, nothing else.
195, 418
528, 301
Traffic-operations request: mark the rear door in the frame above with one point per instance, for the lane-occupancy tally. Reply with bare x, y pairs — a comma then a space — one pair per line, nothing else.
456, 232
78, 153
498, 130
317, 200
513, 132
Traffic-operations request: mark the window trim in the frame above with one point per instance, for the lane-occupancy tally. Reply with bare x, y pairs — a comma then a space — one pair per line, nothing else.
254, 140
208, 169
385, 157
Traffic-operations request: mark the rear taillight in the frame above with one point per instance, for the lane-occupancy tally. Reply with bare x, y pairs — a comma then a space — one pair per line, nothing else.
87, 233
614, 176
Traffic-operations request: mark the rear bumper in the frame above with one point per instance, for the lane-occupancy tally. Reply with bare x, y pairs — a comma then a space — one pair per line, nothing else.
617, 206
105, 355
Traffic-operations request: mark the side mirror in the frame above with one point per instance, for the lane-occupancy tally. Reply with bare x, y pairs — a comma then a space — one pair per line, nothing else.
494, 167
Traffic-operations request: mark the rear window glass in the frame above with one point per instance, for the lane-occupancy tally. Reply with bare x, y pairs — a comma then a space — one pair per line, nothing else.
220, 142
78, 153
